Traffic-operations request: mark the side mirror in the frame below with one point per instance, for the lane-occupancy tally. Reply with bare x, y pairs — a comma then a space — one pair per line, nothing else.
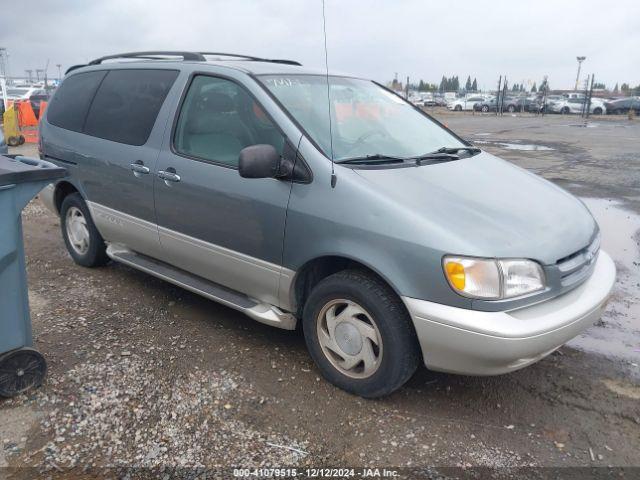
259, 161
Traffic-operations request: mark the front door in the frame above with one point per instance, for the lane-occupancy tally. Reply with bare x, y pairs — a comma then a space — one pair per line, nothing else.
211, 221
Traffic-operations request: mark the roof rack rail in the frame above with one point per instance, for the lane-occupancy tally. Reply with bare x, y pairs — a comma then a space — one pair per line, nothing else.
251, 58
152, 55
186, 56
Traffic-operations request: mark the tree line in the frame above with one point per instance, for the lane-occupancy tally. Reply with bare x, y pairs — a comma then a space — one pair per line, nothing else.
452, 84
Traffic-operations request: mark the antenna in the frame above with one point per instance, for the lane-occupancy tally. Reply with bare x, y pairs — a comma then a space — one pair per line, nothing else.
326, 65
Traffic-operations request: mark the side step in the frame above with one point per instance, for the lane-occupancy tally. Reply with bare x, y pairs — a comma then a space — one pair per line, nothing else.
261, 312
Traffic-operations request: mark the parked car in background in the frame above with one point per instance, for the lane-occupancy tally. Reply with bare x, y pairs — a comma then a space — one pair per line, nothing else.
439, 101
465, 103
23, 93
623, 105
34, 94
487, 105
510, 104
36, 99
576, 104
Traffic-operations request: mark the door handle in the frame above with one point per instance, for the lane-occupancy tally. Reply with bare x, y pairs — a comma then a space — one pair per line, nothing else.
168, 176
138, 168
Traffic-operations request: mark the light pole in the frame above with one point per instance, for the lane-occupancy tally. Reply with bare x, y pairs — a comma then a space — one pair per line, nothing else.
580, 60
59, 76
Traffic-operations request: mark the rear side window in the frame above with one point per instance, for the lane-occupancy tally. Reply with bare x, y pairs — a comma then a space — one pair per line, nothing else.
69, 105
127, 103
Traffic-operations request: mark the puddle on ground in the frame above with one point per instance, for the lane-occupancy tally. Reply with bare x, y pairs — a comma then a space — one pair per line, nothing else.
517, 146
618, 333
594, 125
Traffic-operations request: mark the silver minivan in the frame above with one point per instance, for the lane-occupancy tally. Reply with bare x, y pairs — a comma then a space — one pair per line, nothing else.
325, 201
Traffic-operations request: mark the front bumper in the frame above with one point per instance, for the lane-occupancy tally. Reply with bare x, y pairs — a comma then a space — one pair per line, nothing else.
472, 342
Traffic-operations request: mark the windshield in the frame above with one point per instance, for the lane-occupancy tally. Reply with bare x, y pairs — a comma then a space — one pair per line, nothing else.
366, 118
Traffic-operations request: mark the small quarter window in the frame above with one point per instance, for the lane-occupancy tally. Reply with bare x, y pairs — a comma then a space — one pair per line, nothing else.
69, 105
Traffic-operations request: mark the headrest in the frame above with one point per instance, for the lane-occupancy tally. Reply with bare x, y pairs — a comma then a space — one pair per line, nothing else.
212, 115
218, 103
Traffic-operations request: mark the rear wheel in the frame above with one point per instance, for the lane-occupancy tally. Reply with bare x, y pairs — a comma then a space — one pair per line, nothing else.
13, 141
565, 110
359, 334
84, 243
597, 111
511, 108
485, 108
458, 108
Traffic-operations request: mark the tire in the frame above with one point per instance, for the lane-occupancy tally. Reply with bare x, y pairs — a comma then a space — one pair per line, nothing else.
565, 110
367, 304
13, 141
597, 111
21, 140
511, 108
457, 108
82, 239
485, 108
21, 370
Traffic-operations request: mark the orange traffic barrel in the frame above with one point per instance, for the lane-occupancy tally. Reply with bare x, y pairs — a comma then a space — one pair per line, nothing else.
26, 117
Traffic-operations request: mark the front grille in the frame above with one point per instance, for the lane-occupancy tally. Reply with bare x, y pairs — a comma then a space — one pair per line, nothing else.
579, 265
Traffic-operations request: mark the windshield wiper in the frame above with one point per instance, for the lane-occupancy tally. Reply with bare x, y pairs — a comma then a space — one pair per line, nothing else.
471, 150
373, 159
434, 157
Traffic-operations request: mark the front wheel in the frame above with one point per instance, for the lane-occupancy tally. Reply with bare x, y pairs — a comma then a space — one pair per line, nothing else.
84, 243
485, 108
597, 111
457, 108
565, 111
359, 334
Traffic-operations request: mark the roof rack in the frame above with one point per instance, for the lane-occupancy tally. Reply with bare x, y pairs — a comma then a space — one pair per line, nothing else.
189, 56
152, 55
252, 59
186, 56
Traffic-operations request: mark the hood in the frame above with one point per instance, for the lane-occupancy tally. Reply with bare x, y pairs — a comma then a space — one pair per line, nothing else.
485, 206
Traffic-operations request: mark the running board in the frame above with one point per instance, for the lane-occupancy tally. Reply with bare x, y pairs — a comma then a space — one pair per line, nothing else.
262, 312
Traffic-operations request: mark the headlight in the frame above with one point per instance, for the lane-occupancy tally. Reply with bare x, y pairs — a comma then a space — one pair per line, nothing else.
493, 279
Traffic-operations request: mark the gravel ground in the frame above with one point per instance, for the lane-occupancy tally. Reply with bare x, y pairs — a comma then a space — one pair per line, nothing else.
150, 380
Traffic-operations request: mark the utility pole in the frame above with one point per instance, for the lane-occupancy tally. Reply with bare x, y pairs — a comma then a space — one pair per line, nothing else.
46, 70
4, 63
498, 94
580, 60
589, 95
59, 74
406, 89
28, 72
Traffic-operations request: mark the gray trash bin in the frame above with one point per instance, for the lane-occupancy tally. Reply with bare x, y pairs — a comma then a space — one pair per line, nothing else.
21, 367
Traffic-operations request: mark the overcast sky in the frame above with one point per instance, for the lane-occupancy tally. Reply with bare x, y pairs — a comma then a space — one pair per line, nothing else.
523, 39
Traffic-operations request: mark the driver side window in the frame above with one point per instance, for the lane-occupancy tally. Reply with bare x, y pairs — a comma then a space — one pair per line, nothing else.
219, 118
